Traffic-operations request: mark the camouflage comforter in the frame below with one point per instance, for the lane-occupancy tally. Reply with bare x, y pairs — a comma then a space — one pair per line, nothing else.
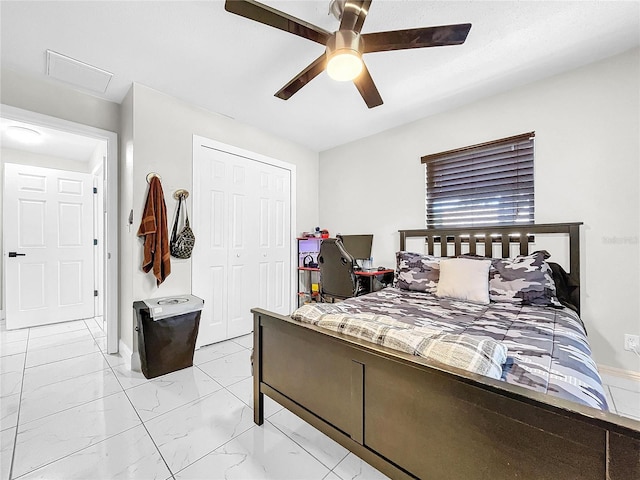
547, 347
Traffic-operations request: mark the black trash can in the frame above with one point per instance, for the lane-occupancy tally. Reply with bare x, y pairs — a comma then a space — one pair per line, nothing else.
167, 332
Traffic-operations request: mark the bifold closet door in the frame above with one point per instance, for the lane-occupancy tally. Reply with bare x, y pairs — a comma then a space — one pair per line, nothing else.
275, 234
242, 254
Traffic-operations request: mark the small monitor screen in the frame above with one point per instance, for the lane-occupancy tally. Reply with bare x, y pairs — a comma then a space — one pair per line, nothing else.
359, 246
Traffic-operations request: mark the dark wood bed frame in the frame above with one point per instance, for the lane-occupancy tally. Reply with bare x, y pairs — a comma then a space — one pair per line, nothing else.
412, 418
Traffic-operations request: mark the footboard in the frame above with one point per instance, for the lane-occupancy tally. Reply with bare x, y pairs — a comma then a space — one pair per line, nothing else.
412, 419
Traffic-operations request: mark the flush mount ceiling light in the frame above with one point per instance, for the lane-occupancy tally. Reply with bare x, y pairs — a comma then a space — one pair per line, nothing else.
24, 135
344, 55
345, 47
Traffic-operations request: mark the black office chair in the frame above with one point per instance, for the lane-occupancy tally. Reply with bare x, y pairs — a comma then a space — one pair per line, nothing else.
337, 280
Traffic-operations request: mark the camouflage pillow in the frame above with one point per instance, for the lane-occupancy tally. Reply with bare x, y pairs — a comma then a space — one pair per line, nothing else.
526, 279
417, 272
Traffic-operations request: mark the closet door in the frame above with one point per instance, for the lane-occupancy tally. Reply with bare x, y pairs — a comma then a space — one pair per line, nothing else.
242, 210
274, 258
243, 217
210, 253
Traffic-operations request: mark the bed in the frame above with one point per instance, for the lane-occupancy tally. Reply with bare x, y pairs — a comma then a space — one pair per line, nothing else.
415, 417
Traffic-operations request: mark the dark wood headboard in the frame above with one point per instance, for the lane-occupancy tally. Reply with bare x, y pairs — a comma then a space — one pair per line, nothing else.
507, 235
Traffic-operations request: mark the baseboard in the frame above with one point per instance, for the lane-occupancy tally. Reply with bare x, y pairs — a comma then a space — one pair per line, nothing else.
619, 372
131, 359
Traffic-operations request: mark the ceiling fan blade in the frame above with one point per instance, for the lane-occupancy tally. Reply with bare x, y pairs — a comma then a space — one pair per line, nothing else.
304, 77
277, 19
366, 87
355, 11
416, 38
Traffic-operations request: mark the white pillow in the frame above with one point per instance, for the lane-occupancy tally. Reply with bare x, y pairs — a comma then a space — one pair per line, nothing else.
464, 279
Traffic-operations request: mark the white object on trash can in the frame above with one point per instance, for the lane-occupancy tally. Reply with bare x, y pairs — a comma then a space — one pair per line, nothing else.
164, 307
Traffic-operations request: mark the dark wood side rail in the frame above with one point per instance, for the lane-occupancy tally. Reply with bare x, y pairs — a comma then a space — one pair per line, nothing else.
411, 418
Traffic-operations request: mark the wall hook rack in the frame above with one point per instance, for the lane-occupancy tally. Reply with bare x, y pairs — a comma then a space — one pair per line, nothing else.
181, 193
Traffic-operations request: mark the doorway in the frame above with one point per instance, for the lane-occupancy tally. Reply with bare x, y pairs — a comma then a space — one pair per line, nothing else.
65, 149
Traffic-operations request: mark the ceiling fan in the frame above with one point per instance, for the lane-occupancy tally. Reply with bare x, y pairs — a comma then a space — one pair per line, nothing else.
344, 48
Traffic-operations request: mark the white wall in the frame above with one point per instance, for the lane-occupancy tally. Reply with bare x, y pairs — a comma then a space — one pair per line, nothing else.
57, 100
163, 129
96, 160
125, 231
586, 169
10, 155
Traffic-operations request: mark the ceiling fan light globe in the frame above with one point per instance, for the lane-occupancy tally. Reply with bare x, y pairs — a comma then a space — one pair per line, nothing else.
344, 65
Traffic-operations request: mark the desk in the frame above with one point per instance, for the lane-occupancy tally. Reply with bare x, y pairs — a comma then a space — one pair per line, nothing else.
371, 275
306, 293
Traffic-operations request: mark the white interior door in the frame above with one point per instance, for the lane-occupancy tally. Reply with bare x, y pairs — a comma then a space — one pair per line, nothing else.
243, 253
274, 249
48, 243
210, 253
242, 260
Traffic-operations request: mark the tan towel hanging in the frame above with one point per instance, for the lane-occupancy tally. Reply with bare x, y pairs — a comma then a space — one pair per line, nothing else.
153, 228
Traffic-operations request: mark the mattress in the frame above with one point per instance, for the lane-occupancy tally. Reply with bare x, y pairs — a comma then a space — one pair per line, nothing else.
547, 347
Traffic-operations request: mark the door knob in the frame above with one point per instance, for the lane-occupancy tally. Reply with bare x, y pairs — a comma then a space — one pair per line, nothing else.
16, 254
238, 255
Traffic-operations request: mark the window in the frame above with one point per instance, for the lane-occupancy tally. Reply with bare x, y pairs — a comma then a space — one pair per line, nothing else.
486, 184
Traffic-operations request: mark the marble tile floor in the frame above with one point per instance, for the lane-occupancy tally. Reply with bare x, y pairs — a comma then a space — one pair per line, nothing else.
70, 411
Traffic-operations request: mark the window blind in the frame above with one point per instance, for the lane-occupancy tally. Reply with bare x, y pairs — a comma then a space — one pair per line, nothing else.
486, 184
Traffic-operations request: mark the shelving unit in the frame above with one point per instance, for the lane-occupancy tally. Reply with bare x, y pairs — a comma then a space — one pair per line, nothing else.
308, 277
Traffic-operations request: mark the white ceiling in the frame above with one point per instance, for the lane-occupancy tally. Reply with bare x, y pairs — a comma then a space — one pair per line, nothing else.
52, 143
199, 53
